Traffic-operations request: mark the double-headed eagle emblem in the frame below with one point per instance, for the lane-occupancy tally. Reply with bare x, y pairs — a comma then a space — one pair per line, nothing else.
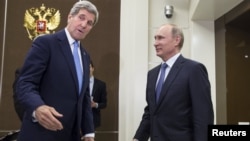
39, 21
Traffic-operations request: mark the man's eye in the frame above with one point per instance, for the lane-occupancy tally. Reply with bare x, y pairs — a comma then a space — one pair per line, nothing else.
81, 17
90, 23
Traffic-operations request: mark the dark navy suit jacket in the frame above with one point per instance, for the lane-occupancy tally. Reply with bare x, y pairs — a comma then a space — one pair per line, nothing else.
100, 96
48, 76
184, 109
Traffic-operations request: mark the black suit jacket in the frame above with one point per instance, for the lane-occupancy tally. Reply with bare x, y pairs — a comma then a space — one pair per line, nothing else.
184, 109
100, 96
48, 76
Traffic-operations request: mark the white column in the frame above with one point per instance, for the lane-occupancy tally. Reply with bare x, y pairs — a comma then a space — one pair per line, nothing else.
133, 65
203, 50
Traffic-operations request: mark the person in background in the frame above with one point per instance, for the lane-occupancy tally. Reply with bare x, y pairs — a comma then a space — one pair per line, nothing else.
181, 109
98, 94
54, 94
17, 106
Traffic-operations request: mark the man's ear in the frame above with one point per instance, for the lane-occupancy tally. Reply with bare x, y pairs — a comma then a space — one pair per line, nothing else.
177, 40
69, 17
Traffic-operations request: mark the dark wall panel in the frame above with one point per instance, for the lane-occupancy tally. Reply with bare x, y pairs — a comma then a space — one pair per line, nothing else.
2, 3
17, 43
232, 43
103, 46
238, 76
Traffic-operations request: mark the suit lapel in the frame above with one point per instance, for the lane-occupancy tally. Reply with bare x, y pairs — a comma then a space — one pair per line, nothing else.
85, 65
65, 48
94, 87
153, 80
170, 78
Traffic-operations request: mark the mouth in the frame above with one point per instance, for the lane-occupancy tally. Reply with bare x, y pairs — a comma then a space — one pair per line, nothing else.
157, 49
80, 31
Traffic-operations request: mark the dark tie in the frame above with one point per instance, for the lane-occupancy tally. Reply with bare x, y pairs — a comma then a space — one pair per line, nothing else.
161, 81
78, 65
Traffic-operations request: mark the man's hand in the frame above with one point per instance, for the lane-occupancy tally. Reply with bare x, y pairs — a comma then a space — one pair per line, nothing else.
93, 104
47, 117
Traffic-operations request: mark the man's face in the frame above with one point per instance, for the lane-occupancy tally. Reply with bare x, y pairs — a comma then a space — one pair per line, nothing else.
91, 70
165, 44
79, 25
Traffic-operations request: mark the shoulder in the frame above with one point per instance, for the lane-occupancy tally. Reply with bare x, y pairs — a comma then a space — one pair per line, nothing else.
194, 63
194, 67
60, 35
155, 69
99, 81
189, 62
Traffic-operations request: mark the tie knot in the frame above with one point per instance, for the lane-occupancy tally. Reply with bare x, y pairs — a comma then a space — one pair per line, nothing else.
75, 43
164, 66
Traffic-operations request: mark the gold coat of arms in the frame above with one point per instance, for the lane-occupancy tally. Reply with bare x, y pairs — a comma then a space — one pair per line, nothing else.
38, 21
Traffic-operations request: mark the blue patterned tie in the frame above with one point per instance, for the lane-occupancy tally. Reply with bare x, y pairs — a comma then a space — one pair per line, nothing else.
161, 81
78, 65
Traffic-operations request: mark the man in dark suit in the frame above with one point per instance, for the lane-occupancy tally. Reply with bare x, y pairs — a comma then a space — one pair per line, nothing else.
18, 107
57, 108
98, 94
184, 108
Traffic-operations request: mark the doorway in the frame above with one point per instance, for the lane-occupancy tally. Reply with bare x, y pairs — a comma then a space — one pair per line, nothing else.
233, 65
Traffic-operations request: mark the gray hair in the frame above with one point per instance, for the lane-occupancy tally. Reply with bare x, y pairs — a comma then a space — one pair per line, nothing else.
176, 31
84, 4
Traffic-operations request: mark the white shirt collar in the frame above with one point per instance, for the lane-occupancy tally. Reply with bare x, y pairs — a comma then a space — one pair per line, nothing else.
170, 62
70, 39
91, 79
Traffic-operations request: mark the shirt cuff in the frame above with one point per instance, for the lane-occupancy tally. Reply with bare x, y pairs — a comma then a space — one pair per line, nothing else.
90, 135
34, 117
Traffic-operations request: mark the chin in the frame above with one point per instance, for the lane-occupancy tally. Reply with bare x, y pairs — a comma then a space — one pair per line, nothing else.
158, 54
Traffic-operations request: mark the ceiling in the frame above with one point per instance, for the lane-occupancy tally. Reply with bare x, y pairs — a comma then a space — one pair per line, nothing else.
239, 17
213, 9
